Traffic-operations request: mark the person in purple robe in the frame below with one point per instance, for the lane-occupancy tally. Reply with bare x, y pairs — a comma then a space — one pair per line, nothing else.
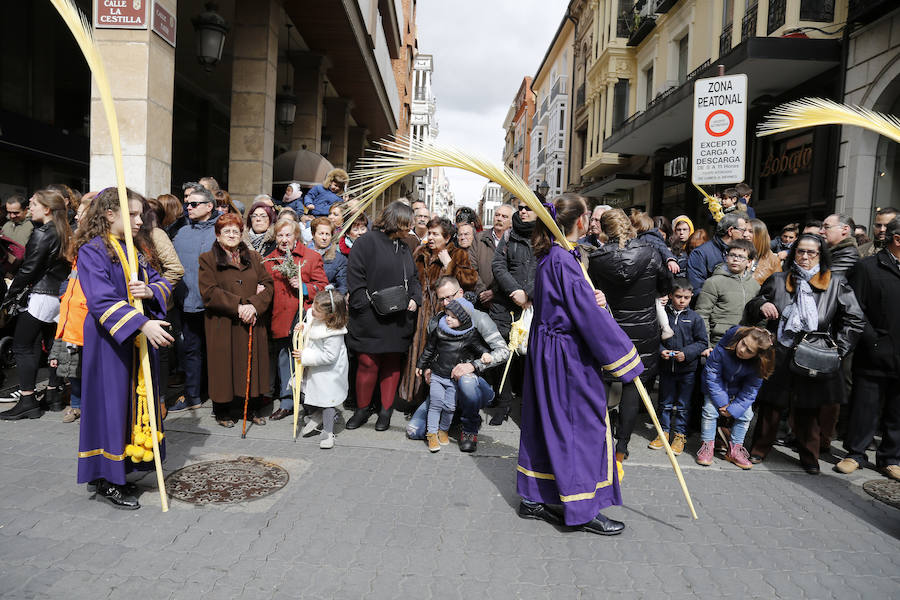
566, 469
110, 360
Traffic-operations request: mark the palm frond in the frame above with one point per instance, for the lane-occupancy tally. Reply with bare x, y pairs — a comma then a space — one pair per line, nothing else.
810, 112
400, 156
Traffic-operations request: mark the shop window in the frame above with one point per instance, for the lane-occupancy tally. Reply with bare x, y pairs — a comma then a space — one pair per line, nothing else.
786, 170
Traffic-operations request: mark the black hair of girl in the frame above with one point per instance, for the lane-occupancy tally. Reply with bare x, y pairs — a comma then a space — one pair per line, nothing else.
569, 208
824, 253
664, 225
333, 305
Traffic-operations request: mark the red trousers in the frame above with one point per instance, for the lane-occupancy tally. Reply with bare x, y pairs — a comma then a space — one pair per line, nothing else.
383, 369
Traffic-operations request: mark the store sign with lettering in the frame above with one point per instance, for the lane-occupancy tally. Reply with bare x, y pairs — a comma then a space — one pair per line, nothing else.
163, 23
120, 14
789, 163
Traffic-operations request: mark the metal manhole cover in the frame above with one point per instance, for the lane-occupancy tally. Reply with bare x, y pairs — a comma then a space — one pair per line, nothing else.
886, 490
226, 481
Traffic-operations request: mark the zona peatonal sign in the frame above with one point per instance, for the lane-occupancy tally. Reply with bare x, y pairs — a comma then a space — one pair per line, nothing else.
720, 129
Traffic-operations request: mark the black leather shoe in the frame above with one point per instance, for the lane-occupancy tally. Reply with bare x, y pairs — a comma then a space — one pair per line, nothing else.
26, 408
498, 418
603, 525
812, 469
359, 418
130, 488
117, 495
468, 442
539, 511
384, 420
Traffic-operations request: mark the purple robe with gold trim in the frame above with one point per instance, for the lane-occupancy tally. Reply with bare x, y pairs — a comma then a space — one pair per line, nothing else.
566, 453
110, 362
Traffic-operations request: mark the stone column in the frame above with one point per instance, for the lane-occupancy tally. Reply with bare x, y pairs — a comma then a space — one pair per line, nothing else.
253, 87
140, 67
357, 138
309, 78
337, 125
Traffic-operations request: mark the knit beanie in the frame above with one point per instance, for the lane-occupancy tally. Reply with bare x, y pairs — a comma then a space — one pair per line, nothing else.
461, 311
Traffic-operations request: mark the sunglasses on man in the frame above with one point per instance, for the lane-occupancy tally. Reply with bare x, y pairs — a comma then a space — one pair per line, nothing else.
196, 204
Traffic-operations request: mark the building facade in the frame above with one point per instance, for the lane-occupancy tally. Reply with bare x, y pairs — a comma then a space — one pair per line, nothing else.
518, 126
552, 121
491, 198
293, 76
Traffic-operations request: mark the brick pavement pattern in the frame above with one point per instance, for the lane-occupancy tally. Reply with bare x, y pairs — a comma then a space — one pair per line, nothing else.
380, 517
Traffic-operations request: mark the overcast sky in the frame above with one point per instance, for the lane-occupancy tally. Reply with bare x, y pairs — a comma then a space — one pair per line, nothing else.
482, 50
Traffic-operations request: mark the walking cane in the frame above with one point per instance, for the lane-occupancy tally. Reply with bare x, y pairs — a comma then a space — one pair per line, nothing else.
247, 391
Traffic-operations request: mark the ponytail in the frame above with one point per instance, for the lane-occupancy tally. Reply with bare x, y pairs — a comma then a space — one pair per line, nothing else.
565, 210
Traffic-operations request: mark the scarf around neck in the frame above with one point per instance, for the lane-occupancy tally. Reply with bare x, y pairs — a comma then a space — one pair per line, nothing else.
257, 239
801, 315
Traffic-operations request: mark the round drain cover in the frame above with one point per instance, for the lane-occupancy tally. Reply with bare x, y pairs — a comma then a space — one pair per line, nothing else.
226, 481
886, 490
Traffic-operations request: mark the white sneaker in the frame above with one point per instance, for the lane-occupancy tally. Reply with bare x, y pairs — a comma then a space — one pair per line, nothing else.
313, 425
327, 441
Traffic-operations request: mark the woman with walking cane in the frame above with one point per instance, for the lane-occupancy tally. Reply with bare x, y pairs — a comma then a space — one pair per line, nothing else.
566, 470
237, 291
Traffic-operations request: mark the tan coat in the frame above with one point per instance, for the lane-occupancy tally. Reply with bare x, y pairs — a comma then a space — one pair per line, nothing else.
223, 286
172, 269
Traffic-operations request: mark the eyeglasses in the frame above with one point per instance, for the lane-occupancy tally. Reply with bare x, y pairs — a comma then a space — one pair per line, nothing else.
259, 217
445, 299
741, 229
810, 253
523, 207
196, 204
736, 256
230, 231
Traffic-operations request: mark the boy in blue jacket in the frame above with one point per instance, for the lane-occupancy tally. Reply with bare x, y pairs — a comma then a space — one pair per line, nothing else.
733, 375
681, 354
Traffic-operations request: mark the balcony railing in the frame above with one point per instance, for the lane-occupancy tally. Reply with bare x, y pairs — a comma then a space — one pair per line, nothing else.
421, 94
545, 105
579, 96
559, 87
725, 40
541, 157
748, 23
777, 10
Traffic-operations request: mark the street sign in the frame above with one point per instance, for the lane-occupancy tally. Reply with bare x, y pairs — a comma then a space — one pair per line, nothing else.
120, 14
163, 23
720, 130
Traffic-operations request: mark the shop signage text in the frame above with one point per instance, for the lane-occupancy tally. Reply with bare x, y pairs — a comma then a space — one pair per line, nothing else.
120, 14
789, 163
720, 130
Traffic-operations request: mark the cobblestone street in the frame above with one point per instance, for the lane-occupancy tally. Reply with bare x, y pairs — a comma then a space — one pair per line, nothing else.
380, 517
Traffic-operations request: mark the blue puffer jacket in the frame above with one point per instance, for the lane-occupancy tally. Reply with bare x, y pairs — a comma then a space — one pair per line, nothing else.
192, 240
335, 269
703, 260
730, 381
690, 337
320, 200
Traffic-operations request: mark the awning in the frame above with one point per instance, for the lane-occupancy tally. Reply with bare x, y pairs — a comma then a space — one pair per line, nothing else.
772, 65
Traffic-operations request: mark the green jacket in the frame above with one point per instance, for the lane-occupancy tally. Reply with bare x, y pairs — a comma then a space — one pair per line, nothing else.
721, 301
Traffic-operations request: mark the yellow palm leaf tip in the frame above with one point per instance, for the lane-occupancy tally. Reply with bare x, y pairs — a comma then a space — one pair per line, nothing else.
811, 112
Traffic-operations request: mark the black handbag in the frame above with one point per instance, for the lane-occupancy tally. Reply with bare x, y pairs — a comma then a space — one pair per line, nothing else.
390, 300
815, 355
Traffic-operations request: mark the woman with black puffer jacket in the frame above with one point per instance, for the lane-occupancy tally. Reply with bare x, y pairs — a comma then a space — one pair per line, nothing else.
631, 273
35, 291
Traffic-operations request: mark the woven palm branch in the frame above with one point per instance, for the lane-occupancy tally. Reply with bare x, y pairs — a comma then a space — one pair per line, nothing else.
810, 112
80, 27
400, 156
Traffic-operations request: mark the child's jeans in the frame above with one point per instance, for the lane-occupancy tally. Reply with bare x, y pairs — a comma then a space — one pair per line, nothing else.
675, 392
441, 404
711, 416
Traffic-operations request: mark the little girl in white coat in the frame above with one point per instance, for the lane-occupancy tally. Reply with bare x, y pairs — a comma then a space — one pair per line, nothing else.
325, 364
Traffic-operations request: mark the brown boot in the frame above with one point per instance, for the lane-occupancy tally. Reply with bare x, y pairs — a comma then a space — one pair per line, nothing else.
657, 444
678, 444
443, 437
433, 444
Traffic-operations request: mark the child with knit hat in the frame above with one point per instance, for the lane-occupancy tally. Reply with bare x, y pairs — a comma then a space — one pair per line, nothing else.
453, 341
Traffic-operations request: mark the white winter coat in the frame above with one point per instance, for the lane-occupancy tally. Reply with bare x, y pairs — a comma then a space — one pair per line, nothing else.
325, 366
